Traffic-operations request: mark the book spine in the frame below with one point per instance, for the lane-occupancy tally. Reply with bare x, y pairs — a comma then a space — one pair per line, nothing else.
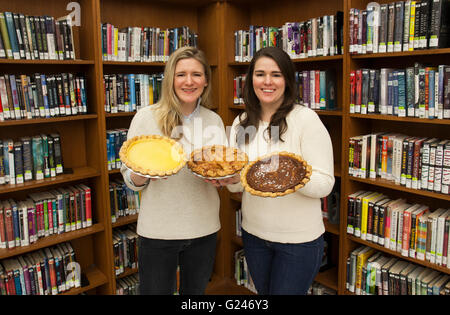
446, 170
446, 89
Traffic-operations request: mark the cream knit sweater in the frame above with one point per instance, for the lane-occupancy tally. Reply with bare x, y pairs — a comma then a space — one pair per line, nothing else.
297, 217
183, 206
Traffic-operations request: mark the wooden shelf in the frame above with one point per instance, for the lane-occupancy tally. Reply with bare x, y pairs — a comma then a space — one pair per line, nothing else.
78, 173
331, 112
389, 184
51, 240
134, 64
47, 62
128, 219
418, 53
95, 277
402, 119
399, 255
46, 120
156, 64
299, 60
127, 272
121, 114
328, 278
320, 112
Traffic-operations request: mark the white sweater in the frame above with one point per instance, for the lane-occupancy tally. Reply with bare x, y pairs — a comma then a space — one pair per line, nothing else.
183, 206
296, 217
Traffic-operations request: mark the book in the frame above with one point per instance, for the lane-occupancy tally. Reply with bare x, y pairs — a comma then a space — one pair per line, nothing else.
385, 275
439, 24
390, 223
366, 216
360, 261
398, 26
394, 277
383, 38
391, 27
439, 252
358, 212
431, 237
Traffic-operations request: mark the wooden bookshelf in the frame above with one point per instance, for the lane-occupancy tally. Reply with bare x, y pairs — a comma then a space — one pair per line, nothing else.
201, 16
239, 15
81, 144
361, 124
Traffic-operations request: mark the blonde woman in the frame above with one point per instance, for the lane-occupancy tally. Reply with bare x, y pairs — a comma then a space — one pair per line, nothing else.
179, 216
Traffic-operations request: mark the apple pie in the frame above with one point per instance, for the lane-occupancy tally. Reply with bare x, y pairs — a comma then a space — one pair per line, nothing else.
153, 155
217, 161
276, 174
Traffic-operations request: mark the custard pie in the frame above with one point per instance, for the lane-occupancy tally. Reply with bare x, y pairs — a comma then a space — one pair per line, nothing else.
217, 161
276, 174
153, 155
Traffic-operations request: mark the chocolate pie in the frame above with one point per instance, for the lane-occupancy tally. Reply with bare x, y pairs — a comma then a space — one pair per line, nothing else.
275, 175
153, 155
217, 161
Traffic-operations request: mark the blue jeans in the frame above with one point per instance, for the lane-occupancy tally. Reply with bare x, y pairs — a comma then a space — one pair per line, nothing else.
158, 261
279, 268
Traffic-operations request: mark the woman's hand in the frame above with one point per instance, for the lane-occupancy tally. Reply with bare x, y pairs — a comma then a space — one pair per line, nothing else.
230, 180
138, 180
225, 181
213, 182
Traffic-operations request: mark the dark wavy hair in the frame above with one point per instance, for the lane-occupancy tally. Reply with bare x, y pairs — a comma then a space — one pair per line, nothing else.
252, 104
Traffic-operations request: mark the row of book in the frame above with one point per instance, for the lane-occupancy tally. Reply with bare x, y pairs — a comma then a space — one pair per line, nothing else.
241, 273
418, 91
47, 271
114, 140
370, 272
316, 89
144, 44
414, 162
30, 158
125, 248
131, 92
124, 201
399, 26
128, 285
36, 37
412, 229
42, 95
60, 210
320, 36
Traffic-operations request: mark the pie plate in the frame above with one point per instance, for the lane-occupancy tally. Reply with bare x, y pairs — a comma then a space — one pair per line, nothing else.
147, 176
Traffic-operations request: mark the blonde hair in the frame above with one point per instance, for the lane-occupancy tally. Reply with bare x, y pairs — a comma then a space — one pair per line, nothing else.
169, 114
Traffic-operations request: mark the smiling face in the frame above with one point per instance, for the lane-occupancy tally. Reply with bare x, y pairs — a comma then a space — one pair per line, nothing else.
268, 83
189, 82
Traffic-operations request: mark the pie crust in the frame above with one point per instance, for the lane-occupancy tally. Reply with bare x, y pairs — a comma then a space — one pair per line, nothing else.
217, 161
153, 155
261, 178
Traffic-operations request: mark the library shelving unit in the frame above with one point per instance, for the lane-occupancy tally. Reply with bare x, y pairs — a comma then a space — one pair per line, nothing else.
83, 137
201, 17
361, 124
81, 143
